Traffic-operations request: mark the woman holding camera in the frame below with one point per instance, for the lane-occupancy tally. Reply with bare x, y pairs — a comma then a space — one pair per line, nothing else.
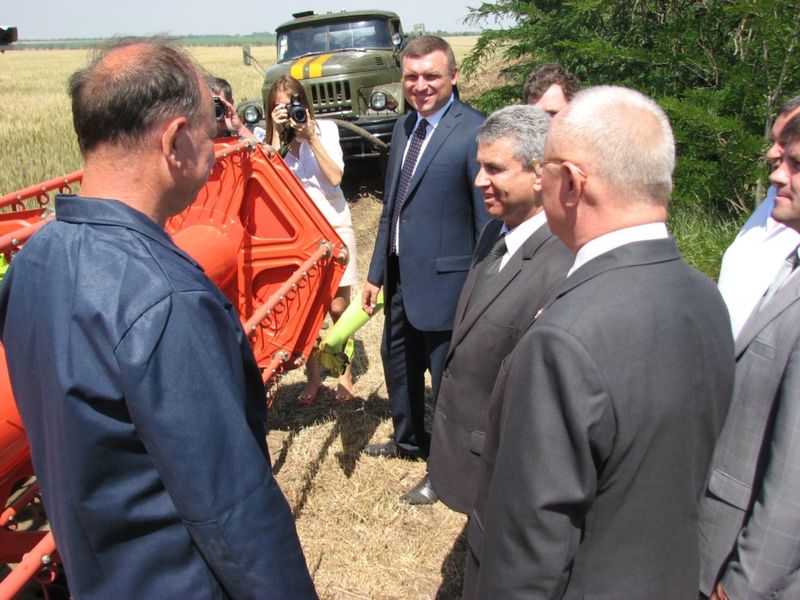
311, 150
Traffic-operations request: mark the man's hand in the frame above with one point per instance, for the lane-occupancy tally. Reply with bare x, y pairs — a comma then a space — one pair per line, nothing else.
232, 122
369, 297
230, 115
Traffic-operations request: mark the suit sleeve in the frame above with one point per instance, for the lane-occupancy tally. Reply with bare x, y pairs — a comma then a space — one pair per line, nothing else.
378, 262
556, 425
186, 383
479, 215
767, 551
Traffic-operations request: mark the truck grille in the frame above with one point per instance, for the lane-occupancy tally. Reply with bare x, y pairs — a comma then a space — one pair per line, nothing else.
330, 97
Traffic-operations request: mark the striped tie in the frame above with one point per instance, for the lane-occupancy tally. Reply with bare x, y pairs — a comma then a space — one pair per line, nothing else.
490, 268
409, 164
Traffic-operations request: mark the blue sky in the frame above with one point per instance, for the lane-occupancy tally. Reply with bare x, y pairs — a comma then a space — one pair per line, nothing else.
50, 19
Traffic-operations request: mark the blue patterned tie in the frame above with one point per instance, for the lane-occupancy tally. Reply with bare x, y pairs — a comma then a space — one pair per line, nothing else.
405, 178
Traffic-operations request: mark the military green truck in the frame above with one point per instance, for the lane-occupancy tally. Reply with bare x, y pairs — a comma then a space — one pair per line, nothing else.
349, 65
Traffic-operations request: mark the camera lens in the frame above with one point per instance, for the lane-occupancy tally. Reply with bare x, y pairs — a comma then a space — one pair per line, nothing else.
296, 110
298, 114
219, 109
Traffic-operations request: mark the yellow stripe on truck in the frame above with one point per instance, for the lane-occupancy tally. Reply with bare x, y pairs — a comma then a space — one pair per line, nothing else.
315, 68
299, 67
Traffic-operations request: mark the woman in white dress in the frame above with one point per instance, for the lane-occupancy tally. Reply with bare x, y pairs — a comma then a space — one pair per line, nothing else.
313, 153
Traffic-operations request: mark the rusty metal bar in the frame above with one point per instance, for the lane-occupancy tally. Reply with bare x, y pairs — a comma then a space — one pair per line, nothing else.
278, 359
9, 515
36, 191
40, 556
239, 146
63, 182
265, 309
15, 239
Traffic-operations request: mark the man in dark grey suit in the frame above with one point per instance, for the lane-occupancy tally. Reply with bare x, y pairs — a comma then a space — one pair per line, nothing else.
610, 403
750, 514
426, 237
496, 305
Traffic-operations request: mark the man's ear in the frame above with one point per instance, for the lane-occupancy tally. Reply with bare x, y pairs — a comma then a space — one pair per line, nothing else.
171, 140
537, 178
574, 181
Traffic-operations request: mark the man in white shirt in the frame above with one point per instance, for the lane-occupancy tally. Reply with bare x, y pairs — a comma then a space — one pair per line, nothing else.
754, 257
749, 515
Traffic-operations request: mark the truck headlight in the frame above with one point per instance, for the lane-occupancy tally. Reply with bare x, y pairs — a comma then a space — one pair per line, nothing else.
252, 114
378, 101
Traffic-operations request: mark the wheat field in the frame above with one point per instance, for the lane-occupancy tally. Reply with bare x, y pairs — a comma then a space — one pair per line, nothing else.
360, 542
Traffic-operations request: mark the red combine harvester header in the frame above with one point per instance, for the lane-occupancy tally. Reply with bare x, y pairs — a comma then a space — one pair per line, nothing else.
258, 236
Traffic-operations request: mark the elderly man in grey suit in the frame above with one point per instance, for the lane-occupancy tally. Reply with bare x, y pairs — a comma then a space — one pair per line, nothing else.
517, 261
750, 514
610, 404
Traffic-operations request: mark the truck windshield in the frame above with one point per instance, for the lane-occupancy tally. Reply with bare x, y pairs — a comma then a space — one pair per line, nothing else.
330, 37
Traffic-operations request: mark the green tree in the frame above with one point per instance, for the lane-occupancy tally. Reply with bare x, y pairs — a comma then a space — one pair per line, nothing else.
720, 69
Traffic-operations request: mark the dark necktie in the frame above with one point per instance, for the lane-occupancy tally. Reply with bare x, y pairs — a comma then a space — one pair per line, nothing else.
405, 179
787, 268
490, 268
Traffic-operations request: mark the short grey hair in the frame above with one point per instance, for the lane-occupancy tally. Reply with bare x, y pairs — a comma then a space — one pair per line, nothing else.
627, 137
526, 126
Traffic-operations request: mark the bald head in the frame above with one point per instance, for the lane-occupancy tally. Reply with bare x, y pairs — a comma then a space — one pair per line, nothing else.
129, 87
624, 137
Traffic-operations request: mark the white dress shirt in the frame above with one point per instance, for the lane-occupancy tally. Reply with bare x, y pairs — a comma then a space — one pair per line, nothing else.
752, 261
615, 239
519, 235
433, 122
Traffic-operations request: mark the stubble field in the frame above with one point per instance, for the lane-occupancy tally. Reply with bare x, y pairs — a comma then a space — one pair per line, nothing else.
360, 542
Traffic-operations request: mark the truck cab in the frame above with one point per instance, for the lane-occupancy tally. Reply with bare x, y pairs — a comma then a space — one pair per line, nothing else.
349, 64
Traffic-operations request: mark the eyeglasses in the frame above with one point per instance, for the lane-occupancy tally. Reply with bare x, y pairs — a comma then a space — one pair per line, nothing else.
559, 161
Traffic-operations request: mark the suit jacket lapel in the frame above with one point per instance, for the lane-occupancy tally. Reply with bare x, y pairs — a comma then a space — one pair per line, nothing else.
490, 232
443, 130
500, 282
783, 298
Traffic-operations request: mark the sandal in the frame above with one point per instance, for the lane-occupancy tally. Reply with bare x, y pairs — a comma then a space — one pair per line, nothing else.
306, 398
343, 395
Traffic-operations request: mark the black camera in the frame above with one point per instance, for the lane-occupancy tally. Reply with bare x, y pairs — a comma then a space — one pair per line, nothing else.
219, 109
297, 110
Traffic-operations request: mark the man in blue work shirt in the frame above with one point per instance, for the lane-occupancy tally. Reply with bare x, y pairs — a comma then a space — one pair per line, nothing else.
145, 409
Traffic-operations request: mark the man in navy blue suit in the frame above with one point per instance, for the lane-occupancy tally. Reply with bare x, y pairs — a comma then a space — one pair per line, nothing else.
432, 217
146, 410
